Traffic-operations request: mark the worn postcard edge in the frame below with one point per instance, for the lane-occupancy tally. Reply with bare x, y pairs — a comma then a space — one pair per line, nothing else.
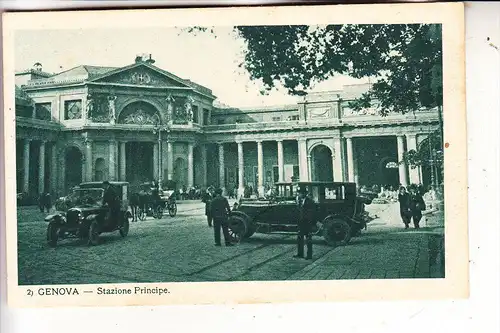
455, 285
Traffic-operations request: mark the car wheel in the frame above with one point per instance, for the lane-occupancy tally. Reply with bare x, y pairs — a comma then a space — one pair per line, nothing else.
237, 228
93, 233
336, 232
126, 225
52, 234
172, 210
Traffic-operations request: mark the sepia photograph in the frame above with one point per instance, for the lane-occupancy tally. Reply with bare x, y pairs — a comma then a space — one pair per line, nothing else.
151, 155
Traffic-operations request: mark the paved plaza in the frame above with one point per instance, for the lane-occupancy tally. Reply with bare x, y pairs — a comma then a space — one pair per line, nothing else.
181, 249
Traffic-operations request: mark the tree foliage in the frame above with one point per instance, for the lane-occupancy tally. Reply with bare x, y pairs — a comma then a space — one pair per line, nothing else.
429, 153
404, 60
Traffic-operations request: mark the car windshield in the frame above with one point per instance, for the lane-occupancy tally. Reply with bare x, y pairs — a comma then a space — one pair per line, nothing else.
87, 196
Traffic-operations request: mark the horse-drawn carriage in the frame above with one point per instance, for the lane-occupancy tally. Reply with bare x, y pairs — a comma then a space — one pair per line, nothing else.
154, 201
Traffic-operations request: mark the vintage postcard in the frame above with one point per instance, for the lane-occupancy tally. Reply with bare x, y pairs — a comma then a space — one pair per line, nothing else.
235, 155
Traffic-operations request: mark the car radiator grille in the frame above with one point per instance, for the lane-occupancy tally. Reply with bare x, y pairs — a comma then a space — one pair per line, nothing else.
72, 217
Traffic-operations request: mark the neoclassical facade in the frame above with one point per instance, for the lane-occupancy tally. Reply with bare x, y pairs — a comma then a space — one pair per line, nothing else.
139, 122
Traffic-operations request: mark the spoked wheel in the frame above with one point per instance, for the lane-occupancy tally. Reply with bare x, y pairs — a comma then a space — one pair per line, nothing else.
336, 232
172, 209
141, 214
158, 212
126, 225
237, 229
52, 234
93, 234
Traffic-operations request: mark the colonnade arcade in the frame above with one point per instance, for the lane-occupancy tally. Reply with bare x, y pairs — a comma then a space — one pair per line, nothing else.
231, 165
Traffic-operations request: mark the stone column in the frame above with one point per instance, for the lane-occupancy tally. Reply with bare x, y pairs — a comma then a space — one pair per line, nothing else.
203, 149
53, 168
350, 160
156, 159
26, 166
88, 161
302, 149
190, 166
402, 167
241, 170
281, 159
338, 167
41, 168
309, 168
260, 169
112, 160
123, 161
222, 180
411, 143
170, 160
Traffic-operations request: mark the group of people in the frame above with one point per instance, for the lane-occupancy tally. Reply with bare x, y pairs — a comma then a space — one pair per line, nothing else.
217, 210
411, 205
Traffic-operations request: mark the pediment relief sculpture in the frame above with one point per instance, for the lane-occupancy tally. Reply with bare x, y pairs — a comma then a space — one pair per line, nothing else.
142, 77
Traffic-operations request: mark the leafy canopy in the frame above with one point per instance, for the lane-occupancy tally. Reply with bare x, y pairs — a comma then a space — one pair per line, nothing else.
405, 60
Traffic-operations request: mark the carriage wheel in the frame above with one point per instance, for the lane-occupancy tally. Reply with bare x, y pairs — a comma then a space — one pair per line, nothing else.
172, 209
141, 214
158, 212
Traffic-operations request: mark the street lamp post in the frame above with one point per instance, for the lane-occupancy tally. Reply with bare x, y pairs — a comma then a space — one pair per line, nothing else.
158, 128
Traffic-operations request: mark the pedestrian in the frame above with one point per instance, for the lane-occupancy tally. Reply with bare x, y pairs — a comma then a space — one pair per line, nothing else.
220, 209
404, 206
41, 204
306, 218
134, 205
47, 202
110, 199
207, 199
417, 205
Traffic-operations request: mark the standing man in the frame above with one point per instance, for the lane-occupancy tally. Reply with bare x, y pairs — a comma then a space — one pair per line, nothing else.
404, 206
417, 205
207, 199
111, 200
307, 209
47, 201
219, 208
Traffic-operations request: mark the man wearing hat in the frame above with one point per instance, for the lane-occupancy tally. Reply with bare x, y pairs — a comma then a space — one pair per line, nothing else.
306, 217
207, 197
220, 209
111, 200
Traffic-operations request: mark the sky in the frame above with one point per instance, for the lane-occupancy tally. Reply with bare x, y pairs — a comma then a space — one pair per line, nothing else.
208, 59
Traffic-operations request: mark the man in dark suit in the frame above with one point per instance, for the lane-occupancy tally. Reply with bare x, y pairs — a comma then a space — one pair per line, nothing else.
110, 199
220, 209
307, 209
207, 199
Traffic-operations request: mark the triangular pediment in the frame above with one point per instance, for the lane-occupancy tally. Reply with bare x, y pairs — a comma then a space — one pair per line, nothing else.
141, 74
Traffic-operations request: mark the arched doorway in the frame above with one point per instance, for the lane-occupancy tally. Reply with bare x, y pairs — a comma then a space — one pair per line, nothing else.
100, 169
321, 164
74, 165
389, 172
139, 113
180, 172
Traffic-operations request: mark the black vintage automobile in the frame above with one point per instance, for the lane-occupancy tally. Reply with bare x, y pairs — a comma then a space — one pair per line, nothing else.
149, 205
340, 213
88, 218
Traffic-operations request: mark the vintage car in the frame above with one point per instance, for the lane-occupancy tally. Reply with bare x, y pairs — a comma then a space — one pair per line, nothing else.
88, 218
149, 206
340, 213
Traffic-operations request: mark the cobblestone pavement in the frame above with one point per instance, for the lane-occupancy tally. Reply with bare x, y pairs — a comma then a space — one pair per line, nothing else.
181, 249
